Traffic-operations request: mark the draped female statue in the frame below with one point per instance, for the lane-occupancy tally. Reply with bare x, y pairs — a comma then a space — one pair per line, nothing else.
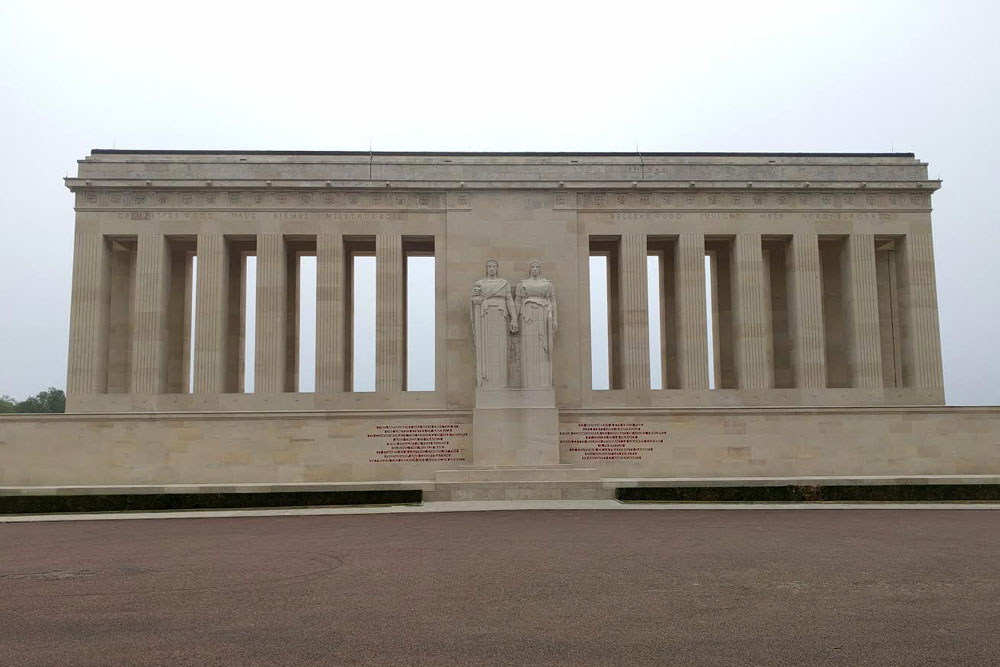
493, 314
536, 307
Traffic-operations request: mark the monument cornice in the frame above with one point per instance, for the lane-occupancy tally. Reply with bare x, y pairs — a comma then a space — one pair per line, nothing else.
123, 196
76, 184
365, 171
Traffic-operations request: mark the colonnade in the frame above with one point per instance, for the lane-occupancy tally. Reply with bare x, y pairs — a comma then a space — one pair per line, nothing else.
866, 309
130, 325
800, 311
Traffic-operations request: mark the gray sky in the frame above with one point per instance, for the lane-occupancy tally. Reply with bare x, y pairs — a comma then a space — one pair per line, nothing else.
702, 76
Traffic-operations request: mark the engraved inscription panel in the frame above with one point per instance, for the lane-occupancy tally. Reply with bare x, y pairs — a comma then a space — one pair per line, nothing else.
417, 443
614, 441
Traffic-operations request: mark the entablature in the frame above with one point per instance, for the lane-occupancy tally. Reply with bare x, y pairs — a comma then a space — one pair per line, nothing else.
638, 201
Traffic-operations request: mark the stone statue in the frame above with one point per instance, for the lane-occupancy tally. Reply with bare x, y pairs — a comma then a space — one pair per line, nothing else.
493, 315
536, 308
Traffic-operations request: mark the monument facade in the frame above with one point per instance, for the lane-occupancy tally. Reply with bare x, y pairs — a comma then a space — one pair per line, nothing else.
793, 294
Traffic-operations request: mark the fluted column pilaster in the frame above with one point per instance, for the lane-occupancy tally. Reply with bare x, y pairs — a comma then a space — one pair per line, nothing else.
88, 331
330, 325
270, 352
808, 334
210, 315
692, 329
751, 331
635, 312
861, 310
922, 335
149, 333
389, 314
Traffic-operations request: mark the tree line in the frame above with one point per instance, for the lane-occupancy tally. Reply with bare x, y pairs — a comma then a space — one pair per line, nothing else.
50, 400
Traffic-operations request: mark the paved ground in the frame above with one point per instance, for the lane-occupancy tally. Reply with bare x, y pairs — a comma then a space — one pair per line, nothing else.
778, 587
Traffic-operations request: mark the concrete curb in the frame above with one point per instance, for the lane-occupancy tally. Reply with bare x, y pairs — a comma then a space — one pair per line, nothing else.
487, 506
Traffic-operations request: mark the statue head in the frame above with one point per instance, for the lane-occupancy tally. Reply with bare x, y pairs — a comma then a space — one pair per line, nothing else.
535, 268
492, 268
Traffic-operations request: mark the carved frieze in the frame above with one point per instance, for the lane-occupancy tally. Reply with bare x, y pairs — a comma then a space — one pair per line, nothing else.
223, 200
751, 200
348, 200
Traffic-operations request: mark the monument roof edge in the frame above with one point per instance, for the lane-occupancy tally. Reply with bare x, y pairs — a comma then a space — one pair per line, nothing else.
123, 151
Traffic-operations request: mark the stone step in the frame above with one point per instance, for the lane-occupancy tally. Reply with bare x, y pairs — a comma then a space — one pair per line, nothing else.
556, 473
520, 490
533, 466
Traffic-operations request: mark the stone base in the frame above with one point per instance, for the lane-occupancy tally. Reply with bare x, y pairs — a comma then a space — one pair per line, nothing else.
519, 491
542, 482
549, 473
515, 427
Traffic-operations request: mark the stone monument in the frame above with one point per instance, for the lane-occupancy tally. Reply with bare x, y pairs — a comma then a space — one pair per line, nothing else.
813, 351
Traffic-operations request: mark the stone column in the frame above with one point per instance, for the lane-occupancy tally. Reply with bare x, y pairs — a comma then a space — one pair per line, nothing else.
922, 337
389, 313
235, 308
692, 329
179, 323
210, 315
88, 330
864, 350
291, 381
808, 334
149, 335
121, 316
634, 313
752, 335
330, 325
269, 359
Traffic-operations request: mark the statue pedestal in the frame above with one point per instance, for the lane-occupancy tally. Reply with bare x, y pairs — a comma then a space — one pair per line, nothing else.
515, 427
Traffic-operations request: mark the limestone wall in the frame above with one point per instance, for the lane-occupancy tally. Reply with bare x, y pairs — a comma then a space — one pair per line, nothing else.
230, 448
275, 447
783, 442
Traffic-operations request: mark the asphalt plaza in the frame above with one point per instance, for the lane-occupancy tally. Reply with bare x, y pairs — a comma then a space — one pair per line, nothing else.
557, 587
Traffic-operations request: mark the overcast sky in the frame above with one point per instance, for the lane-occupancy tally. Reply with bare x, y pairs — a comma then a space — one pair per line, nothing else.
692, 76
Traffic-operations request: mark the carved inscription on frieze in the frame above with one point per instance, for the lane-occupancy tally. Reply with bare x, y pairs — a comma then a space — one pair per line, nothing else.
723, 200
222, 199
647, 215
240, 199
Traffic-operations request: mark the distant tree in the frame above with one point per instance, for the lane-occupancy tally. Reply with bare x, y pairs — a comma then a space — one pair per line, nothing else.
50, 400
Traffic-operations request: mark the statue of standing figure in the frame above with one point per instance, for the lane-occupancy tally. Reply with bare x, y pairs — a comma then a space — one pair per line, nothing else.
493, 315
536, 307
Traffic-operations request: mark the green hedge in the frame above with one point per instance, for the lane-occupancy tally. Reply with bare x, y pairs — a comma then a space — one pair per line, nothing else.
202, 501
798, 494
